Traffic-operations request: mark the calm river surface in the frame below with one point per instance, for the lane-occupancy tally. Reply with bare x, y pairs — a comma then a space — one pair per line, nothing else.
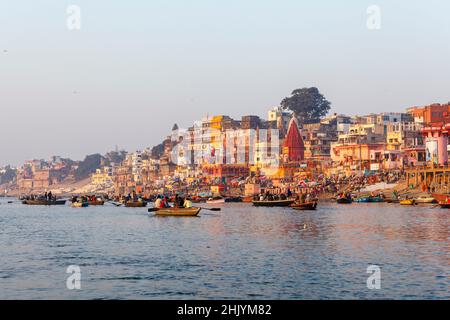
241, 252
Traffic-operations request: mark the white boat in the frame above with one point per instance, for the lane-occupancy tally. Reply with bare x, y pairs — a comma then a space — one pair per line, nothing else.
425, 199
212, 200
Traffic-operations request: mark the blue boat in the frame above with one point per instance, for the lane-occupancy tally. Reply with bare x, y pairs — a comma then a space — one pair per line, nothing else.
370, 199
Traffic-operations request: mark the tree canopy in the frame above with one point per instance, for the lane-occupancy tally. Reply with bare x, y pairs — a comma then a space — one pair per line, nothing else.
308, 104
88, 165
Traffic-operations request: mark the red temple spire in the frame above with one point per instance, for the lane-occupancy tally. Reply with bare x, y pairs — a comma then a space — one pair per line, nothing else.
293, 148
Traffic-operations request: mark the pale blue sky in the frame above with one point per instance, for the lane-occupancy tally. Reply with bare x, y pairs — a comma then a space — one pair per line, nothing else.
136, 67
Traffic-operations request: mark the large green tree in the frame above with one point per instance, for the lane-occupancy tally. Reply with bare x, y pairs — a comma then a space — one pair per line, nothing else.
308, 104
88, 165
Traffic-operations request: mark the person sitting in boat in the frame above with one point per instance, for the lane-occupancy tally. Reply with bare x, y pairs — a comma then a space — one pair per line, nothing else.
158, 202
49, 196
289, 193
303, 198
283, 196
187, 203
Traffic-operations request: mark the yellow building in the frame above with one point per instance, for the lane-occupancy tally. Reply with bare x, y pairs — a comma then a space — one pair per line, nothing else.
102, 177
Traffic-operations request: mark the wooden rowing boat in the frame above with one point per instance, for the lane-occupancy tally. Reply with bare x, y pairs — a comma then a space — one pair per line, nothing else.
304, 206
273, 203
135, 204
177, 212
44, 202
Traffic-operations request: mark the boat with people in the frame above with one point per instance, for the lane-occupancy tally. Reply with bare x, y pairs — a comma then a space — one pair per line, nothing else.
176, 212
43, 202
305, 206
273, 203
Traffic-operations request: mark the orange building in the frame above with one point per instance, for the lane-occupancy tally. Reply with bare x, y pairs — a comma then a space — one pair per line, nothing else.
431, 114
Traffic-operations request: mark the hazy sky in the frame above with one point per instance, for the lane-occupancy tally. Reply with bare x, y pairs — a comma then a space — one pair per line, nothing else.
136, 67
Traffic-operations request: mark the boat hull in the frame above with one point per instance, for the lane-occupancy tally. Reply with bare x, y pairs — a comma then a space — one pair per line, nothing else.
233, 199
136, 204
80, 204
407, 202
96, 203
44, 202
369, 200
425, 200
277, 203
441, 197
304, 206
178, 212
344, 201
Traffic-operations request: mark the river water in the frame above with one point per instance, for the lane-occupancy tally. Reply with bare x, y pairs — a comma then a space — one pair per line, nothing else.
241, 252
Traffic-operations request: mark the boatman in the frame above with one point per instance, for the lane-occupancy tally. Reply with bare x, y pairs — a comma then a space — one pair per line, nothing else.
158, 202
187, 203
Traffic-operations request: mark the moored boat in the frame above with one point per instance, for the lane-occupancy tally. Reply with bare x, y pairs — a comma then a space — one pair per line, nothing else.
425, 199
44, 202
407, 202
215, 200
305, 206
273, 203
370, 199
177, 212
441, 197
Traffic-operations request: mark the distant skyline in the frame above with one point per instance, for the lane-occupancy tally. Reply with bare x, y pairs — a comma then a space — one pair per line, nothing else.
137, 67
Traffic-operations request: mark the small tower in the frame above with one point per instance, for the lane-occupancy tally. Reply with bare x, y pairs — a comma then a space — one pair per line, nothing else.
293, 147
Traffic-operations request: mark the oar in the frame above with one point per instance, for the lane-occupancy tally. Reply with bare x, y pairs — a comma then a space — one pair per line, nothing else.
211, 209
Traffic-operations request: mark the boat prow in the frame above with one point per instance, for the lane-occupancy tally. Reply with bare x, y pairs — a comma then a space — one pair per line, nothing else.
304, 206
